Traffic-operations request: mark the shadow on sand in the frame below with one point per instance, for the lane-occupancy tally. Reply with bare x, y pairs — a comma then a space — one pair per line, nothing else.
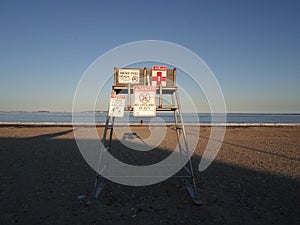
41, 178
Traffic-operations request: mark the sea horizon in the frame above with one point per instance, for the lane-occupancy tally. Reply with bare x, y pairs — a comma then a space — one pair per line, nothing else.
48, 118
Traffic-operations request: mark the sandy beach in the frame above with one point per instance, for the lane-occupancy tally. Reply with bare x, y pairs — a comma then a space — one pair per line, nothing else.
254, 180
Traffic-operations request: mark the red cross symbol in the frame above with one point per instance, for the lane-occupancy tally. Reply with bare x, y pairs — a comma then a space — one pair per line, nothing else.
159, 78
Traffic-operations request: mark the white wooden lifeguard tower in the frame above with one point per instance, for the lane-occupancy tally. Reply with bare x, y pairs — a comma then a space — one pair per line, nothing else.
163, 80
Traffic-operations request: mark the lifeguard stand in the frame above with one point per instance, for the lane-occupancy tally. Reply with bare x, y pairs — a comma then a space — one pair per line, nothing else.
165, 85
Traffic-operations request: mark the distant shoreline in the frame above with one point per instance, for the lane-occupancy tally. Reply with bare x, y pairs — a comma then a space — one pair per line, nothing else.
67, 124
199, 119
104, 111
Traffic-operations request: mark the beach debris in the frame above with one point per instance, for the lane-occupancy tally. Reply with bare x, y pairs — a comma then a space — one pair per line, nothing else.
81, 197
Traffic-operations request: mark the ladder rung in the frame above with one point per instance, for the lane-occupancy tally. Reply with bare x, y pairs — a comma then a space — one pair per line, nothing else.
164, 108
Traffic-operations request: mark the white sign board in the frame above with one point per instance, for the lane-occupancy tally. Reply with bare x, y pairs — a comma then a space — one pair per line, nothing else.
144, 101
116, 106
159, 76
129, 76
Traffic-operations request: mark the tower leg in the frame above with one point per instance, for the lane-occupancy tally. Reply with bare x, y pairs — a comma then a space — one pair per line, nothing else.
100, 182
187, 170
98, 189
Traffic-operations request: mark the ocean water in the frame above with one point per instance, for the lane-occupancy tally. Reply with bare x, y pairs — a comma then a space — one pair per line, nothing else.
57, 118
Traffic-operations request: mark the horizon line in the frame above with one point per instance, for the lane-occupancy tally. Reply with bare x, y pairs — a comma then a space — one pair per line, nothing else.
102, 111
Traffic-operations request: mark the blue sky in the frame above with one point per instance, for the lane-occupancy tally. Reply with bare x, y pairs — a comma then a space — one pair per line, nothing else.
253, 47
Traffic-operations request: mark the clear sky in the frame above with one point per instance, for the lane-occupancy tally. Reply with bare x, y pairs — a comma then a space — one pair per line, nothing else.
253, 47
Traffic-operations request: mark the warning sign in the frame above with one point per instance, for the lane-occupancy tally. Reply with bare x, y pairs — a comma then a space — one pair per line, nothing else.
116, 105
144, 101
159, 76
129, 76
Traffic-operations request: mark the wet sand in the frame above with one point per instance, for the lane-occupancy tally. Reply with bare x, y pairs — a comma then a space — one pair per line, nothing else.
254, 180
